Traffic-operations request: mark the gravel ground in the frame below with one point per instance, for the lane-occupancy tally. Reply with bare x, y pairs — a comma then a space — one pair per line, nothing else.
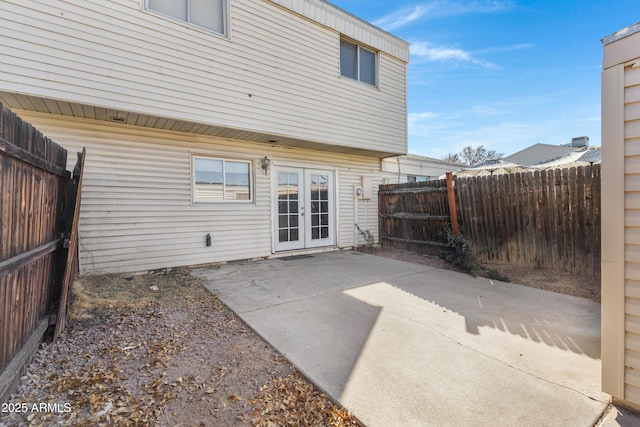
159, 349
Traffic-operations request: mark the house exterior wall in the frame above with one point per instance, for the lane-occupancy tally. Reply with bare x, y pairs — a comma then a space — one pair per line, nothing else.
398, 169
277, 71
621, 217
137, 211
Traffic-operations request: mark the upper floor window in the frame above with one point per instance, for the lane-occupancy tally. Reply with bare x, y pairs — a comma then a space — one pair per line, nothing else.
209, 14
357, 63
218, 180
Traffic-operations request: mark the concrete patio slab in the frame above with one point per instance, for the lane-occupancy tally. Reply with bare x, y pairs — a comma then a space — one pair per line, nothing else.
403, 344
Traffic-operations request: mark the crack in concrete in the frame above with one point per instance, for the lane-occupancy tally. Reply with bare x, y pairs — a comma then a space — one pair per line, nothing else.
329, 292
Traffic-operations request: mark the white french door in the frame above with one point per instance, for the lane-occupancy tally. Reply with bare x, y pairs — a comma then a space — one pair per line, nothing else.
304, 212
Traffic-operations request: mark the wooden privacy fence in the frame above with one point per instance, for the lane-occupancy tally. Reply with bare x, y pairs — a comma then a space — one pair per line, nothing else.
415, 215
538, 219
541, 219
36, 205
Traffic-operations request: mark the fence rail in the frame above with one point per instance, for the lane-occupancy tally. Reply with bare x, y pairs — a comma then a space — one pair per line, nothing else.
413, 215
35, 185
541, 219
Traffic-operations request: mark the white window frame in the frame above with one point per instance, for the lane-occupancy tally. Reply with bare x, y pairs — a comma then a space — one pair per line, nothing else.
224, 160
225, 18
417, 178
359, 47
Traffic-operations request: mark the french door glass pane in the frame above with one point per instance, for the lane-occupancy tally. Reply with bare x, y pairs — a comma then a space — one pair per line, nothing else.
288, 209
319, 206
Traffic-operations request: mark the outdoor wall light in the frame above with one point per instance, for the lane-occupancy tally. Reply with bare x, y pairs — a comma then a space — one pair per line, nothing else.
265, 164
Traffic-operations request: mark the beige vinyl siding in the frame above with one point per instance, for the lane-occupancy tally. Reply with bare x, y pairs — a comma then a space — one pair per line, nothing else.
613, 232
137, 211
278, 73
621, 217
632, 222
335, 18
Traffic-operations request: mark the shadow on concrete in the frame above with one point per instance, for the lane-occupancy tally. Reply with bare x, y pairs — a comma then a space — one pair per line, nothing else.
562, 321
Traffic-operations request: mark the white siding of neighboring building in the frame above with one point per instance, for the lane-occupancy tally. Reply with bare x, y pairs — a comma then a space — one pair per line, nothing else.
621, 219
277, 73
137, 211
397, 169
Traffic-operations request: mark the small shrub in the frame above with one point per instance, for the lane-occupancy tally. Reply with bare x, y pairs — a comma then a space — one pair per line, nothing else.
367, 235
459, 253
496, 275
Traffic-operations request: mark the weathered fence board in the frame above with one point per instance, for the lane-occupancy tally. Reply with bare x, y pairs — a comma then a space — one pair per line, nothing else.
71, 267
541, 219
413, 215
34, 184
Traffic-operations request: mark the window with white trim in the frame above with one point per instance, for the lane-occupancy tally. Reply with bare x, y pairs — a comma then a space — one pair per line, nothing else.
209, 14
417, 178
358, 63
221, 180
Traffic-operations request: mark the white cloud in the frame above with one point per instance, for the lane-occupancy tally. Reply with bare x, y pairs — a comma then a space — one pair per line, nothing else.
439, 8
459, 8
401, 17
431, 53
421, 117
508, 48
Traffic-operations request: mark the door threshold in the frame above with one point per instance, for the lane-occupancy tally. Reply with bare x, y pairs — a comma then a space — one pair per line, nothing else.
282, 254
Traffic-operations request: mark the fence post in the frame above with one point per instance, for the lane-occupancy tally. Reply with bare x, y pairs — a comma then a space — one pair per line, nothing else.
453, 212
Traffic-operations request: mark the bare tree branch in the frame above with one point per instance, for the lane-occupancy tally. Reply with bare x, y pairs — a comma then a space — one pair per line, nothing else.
473, 156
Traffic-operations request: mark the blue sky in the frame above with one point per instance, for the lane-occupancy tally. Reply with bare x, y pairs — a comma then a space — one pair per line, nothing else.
505, 74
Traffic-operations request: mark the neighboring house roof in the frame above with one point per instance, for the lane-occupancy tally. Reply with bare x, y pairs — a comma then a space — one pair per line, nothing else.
464, 173
576, 158
539, 153
491, 167
494, 164
592, 155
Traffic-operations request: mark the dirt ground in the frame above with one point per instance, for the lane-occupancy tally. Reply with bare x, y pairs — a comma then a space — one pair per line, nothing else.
159, 349
549, 279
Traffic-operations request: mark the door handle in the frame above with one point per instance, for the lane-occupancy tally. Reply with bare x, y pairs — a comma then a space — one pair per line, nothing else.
301, 210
